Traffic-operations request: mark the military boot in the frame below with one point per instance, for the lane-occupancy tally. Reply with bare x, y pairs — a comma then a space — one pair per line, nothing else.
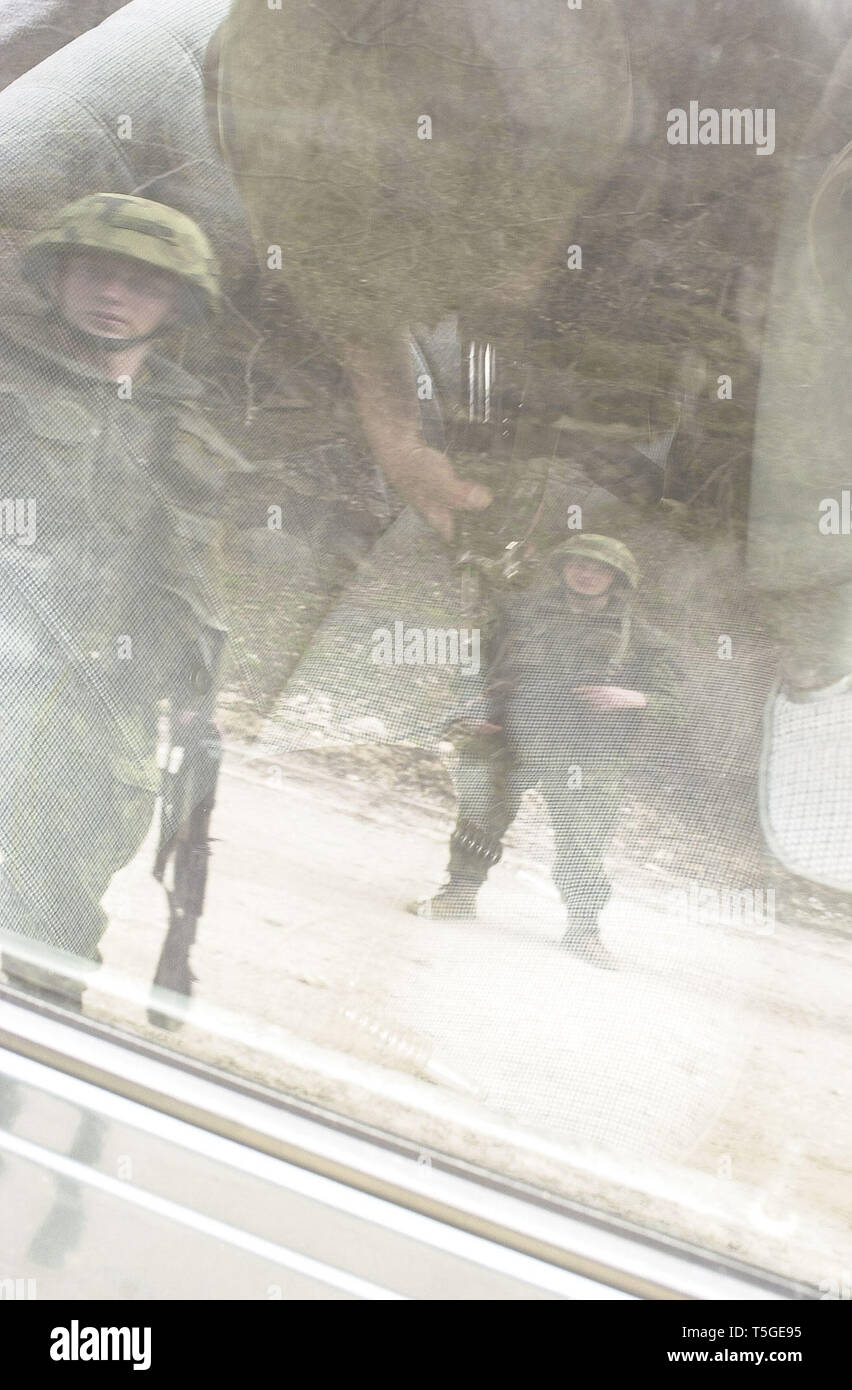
472, 853
455, 901
173, 972
583, 939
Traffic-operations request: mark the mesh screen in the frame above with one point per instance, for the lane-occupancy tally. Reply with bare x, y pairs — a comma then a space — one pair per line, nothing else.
622, 838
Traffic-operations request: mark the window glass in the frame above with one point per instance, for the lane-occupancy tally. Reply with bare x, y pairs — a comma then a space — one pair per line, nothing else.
424, 531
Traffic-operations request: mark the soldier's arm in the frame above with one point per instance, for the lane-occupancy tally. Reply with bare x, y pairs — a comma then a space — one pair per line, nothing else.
662, 682
384, 392
193, 551
502, 679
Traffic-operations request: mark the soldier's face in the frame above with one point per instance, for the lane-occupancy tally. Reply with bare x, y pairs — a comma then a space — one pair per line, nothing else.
115, 296
589, 577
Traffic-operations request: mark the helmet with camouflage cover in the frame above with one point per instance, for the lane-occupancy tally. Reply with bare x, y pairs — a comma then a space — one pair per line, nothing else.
146, 231
604, 549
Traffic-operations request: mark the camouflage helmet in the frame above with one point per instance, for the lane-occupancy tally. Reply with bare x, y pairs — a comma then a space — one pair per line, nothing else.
150, 232
605, 549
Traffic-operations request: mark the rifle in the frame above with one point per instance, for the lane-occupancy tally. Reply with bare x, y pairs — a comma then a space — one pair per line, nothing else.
188, 796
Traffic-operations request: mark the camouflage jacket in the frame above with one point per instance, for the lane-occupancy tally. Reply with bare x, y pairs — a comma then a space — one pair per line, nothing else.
110, 534
542, 650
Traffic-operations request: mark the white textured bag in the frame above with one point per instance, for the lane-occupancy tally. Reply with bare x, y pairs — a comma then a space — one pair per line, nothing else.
806, 783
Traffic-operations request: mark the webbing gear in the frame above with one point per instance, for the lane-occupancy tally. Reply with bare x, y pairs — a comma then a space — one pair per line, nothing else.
472, 840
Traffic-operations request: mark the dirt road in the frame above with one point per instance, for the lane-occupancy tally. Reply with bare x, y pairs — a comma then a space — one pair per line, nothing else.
703, 1088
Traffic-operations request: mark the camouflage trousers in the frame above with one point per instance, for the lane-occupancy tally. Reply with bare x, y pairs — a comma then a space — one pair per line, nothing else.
582, 818
57, 873
76, 804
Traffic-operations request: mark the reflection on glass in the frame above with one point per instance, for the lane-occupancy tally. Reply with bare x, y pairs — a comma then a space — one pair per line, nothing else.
448, 457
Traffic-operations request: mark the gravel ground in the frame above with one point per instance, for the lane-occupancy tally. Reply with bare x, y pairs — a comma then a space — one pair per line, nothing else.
702, 1089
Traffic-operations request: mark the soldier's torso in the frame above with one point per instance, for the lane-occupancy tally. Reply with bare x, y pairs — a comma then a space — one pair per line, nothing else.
545, 641
72, 454
95, 495
547, 650
108, 491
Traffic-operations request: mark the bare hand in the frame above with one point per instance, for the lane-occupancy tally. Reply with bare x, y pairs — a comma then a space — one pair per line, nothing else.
610, 696
383, 387
427, 480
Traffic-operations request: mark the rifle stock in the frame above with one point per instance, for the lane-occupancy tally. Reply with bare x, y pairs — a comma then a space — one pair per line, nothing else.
188, 798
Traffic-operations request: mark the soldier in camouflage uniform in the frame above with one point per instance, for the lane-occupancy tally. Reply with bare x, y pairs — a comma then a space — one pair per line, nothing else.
575, 672
111, 488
